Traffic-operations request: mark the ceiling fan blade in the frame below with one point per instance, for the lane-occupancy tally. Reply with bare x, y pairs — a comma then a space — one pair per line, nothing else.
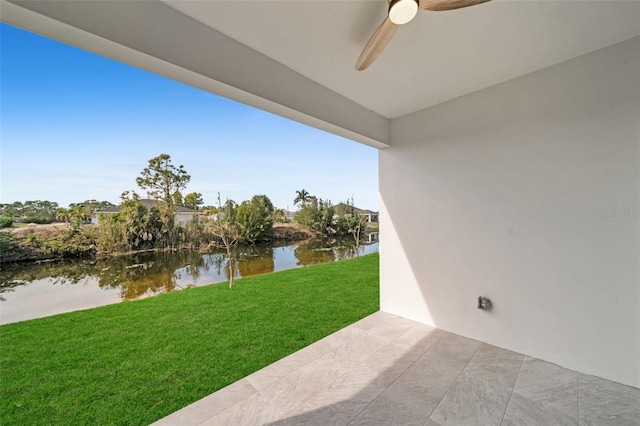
376, 44
437, 5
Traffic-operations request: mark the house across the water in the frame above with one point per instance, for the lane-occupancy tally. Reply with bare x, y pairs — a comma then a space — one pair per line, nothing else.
183, 215
369, 214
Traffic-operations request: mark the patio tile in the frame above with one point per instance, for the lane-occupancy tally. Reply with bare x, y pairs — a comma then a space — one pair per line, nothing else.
255, 410
384, 326
272, 373
523, 411
340, 393
419, 337
364, 382
472, 401
411, 398
351, 393
350, 338
386, 370
550, 385
297, 387
340, 413
453, 350
387, 410
386, 365
603, 402
495, 365
340, 402
209, 406
294, 389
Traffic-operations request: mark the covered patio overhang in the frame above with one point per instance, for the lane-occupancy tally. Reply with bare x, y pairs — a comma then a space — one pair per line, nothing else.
512, 128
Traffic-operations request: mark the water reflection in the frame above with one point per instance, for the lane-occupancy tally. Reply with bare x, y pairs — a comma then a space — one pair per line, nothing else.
255, 260
23, 287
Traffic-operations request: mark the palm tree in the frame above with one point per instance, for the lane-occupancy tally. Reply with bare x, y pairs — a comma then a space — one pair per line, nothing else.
302, 197
77, 214
63, 215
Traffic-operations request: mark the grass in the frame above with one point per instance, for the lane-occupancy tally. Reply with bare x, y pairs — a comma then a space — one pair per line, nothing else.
136, 362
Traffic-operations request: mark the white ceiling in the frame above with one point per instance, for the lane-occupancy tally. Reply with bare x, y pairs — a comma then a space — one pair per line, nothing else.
296, 58
437, 57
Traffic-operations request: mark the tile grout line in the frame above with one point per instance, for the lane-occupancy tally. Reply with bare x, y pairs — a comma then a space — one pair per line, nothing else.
453, 382
578, 394
320, 355
261, 393
347, 370
513, 389
399, 375
231, 406
287, 413
317, 357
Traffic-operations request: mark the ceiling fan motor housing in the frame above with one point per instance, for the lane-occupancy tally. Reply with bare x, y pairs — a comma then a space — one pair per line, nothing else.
402, 11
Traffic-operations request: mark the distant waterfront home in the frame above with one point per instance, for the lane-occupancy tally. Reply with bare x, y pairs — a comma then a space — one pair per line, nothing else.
370, 215
183, 214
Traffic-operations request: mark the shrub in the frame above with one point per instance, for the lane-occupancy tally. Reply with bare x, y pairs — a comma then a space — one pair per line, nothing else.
6, 222
70, 243
317, 215
8, 243
40, 220
255, 218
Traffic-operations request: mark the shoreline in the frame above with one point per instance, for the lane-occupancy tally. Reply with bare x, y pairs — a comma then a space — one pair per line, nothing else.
28, 253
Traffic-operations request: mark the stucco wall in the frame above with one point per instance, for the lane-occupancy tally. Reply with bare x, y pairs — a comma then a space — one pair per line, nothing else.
182, 218
527, 193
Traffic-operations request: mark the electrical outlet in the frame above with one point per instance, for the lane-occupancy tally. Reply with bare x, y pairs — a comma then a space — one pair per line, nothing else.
484, 303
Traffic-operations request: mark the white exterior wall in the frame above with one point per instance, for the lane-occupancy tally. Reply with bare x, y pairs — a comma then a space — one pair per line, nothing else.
509, 193
182, 218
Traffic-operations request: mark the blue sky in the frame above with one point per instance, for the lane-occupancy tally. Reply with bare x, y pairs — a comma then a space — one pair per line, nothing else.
77, 126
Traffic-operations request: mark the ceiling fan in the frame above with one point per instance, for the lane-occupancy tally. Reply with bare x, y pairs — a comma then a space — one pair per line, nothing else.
401, 12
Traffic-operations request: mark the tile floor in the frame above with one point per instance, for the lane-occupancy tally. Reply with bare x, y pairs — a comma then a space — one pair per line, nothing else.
386, 370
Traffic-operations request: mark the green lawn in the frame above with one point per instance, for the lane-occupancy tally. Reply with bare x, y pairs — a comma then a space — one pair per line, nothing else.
135, 362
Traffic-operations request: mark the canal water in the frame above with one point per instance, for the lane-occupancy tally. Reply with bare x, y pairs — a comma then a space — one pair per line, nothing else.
40, 290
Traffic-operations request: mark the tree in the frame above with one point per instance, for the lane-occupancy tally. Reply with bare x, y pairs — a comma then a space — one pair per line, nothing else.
209, 210
177, 199
302, 197
94, 205
351, 222
77, 214
14, 209
104, 204
226, 229
162, 180
317, 215
255, 219
229, 210
279, 216
193, 201
63, 215
39, 211
134, 227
